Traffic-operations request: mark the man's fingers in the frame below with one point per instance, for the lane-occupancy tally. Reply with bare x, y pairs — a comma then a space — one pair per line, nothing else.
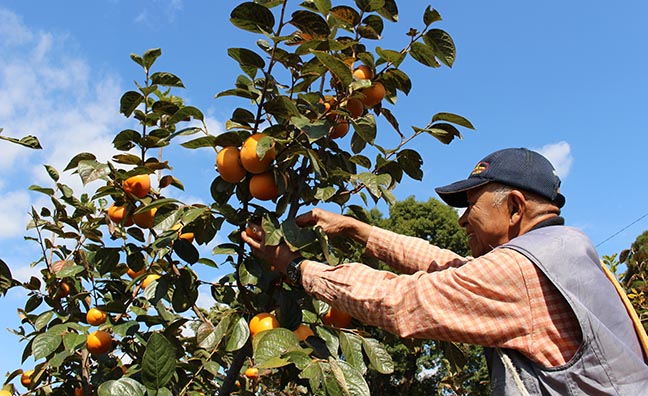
254, 243
254, 231
305, 219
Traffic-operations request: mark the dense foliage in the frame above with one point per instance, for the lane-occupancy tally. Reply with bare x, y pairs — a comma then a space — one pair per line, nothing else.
129, 249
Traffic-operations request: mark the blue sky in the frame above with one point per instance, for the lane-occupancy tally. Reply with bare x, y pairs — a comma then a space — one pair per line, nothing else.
566, 78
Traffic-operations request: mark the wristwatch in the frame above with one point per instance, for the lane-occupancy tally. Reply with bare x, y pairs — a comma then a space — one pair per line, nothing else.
294, 272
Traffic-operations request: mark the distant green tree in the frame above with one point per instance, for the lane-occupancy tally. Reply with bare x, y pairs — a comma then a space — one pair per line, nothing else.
421, 366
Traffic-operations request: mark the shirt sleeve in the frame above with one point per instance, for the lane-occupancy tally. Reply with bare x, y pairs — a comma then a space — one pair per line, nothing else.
409, 254
477, 303
500, 299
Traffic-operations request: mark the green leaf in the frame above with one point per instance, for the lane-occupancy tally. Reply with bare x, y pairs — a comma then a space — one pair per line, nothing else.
300, 359
397, 79
389, 11
338, 68
365, 128
33, 302
282, 107
106, 259
361, 160
58, 359
453, 118
166, 79
186, 251
158, 362
129, 102
252, 17
242, 116
248, 60
270, 344
311, 23
369, 5
130, 327
164, 107
45, 344
349, 16
424, 54
325, 193
43, 319
374, 182
91, 170
6, 279
240, 92
28, 141
74, 162
69, 271
52, 172
73, 342
238, 335
296, 237
350, 380
411, 163
137, 59
185, 112
378, 356
124, 386
209, 337
368, 32
371, 28
331, 339
351, 346
315, 373
125, 140
203, 141
185, 291
430, 16
442, 44
395, 57
46, 191
445, 133
128, 159
150, 56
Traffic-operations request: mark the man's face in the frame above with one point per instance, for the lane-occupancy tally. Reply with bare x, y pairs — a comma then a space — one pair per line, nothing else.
486, 223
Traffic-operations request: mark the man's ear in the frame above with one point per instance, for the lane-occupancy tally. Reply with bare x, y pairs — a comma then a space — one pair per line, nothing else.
516, 206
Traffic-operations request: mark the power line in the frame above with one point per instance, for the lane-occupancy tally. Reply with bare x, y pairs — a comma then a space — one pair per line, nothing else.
621, 230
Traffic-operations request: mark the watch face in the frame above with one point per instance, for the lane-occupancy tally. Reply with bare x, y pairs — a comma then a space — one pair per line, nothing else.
293, 272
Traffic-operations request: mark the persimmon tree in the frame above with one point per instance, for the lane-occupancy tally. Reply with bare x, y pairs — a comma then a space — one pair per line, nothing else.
129, 249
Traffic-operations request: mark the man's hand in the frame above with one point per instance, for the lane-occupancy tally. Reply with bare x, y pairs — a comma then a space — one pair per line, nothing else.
335, 224
279, 255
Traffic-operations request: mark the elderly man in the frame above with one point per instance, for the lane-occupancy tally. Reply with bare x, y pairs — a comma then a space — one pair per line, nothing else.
533, 294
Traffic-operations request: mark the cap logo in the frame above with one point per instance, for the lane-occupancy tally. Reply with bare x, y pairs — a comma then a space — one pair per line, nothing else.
479, 168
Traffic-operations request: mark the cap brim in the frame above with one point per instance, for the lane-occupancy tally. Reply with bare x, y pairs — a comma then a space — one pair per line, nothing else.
559, 200
455, 194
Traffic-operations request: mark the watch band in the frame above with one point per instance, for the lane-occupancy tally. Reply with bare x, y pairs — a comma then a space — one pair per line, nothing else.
293, 271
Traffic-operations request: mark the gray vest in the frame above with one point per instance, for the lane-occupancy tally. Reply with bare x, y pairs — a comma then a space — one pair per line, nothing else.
609, 360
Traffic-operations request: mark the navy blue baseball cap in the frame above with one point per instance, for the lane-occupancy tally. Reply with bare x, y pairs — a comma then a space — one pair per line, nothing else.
514, 167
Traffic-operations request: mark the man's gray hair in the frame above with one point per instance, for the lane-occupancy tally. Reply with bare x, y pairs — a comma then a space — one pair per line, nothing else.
501, 192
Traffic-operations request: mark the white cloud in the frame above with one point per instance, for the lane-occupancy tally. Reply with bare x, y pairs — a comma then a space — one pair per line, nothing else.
13, 221
12, 30
559, 154
214, 126
158, 9
55, 95
25, 272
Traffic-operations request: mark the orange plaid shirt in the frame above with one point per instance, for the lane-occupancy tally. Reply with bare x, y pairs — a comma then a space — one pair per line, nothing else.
497, 300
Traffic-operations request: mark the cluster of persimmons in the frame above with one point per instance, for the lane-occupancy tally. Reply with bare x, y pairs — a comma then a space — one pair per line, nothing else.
236, 163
